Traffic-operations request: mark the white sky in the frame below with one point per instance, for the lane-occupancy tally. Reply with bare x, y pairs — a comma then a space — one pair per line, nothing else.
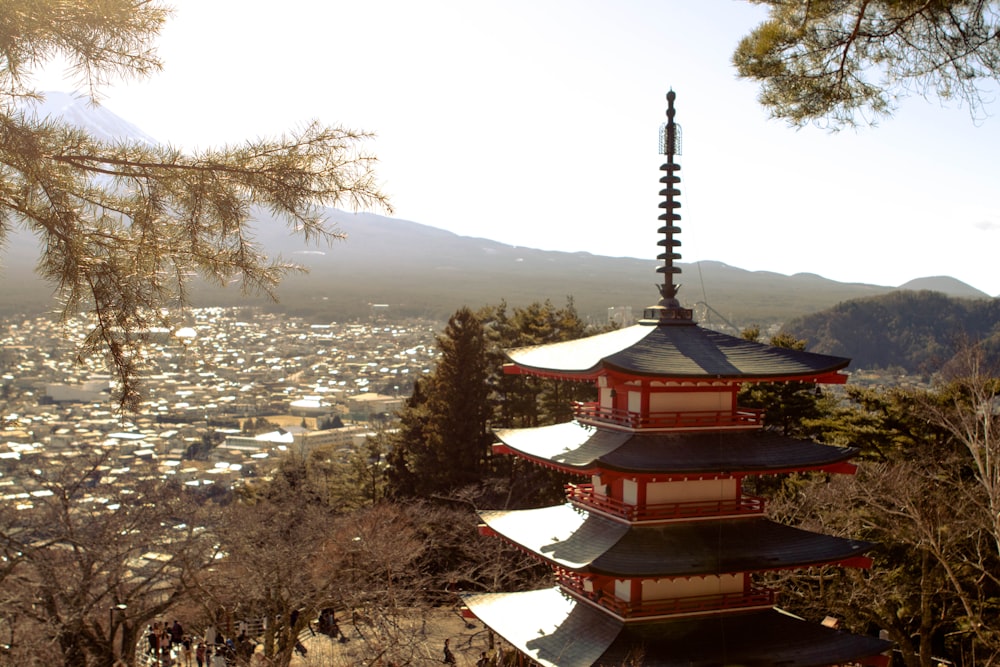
534, 122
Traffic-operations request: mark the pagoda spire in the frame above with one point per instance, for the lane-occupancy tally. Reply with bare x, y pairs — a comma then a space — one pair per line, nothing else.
669, 308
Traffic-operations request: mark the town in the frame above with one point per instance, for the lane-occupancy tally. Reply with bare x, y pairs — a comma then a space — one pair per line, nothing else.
206, 386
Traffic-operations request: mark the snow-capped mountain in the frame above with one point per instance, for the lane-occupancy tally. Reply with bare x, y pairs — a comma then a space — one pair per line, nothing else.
76, 109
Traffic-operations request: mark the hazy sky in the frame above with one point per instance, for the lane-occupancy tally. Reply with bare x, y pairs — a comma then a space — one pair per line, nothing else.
534, 122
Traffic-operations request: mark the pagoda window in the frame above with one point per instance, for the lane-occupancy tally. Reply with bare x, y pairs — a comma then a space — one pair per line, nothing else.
691, 491
664, 589
623, 589
635, 402
600, 488
607, 396
630, 492
696, 401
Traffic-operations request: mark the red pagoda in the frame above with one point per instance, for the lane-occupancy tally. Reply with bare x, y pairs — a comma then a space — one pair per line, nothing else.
656, 551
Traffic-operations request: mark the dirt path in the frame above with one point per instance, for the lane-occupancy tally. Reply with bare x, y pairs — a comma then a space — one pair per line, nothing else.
416, 640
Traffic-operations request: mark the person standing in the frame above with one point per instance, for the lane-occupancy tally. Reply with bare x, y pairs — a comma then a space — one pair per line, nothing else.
200, 654
186, 650
449, 657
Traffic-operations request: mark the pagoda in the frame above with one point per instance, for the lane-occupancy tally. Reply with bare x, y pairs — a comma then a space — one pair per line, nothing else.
658, 550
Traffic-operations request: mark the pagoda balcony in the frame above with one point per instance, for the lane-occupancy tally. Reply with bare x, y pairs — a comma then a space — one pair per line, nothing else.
594, 413
699, 604
583, 495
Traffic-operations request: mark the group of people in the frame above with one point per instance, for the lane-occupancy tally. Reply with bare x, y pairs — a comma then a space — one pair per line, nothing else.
165, 640
449, 657
170, 646
328, 625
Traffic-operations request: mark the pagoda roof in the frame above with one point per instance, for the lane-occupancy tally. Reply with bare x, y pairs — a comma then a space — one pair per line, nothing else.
681, 350
585, 542
558, 631
577, 447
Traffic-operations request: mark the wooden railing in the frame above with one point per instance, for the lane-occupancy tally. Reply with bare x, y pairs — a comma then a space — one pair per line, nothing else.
740, 417
756, 597
584, 495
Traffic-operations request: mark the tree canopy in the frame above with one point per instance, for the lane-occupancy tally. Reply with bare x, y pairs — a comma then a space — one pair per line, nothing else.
125, 225
926, 493
843, 60
918, 332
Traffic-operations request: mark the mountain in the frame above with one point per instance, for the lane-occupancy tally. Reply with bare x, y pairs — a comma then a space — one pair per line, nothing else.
76, 110
945, 285
914, 331
421, 270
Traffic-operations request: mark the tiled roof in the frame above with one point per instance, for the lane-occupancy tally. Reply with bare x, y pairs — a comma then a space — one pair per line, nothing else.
578, 540
574, 445
557, 631
674, 351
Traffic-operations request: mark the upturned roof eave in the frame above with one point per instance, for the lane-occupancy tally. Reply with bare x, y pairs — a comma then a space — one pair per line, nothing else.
831, 375
857, 560
579, 449
556, 631
683, 352
605, 547
840, 465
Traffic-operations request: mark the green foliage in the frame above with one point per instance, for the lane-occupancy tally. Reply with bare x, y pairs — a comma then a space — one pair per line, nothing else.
443, 442
209, 440
788, 406
525, 401
326, 423
124, 225
838, 60
368, 466
258, 425
884, 423
924, 493
411, 433
443, 439
916, 331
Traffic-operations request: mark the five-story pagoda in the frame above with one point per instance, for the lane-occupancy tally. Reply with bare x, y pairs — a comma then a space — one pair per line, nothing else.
656, 550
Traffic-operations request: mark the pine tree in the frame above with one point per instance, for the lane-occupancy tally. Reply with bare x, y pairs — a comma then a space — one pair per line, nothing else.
458, 407
524, 401
124, 225
444, 438
409, 438
788, 406
849, 60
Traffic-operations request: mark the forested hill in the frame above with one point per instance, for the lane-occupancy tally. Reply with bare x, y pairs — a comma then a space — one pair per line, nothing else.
915, 331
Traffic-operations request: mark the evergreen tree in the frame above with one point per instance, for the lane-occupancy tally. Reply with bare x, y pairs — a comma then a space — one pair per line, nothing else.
458, 408
835, 61
524, 401
410, 436
443, 440
788, 406
919, 496
123, 225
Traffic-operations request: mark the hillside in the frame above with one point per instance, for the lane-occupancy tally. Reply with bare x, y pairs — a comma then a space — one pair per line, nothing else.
421, 270
418, 269
915, 331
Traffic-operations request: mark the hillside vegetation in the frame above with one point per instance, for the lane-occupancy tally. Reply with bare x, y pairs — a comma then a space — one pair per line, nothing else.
915, 331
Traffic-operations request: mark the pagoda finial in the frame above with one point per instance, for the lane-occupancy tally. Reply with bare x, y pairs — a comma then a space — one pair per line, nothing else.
668, 307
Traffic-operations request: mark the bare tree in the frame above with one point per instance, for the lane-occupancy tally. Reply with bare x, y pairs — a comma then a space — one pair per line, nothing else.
970, 413
89, 562
933, 585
